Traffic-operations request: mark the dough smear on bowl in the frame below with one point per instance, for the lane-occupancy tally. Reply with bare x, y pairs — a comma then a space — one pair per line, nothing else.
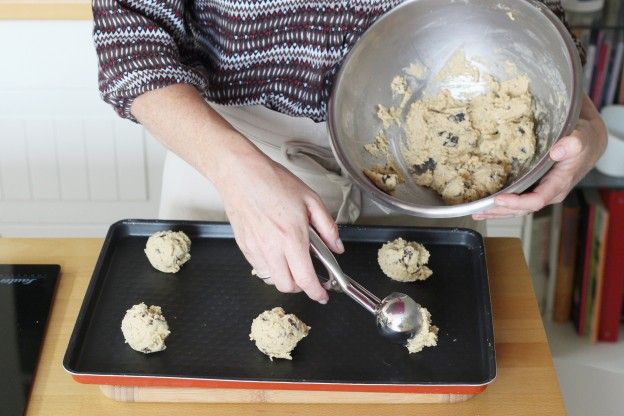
276, 333
167, 251
145, 329
427, 337
404, 261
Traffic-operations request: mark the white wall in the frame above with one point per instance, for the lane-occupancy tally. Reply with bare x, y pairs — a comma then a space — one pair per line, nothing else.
68, 164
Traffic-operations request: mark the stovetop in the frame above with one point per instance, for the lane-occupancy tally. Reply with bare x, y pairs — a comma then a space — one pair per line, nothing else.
26, 293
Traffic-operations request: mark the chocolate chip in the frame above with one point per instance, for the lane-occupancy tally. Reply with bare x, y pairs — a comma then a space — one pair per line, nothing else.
424, 167
407, 254
146, 350
521, 130
385, 178
457, 118
450, 140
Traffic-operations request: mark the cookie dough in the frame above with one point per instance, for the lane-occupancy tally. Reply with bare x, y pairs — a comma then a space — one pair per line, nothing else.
404, 261
427, 337
417, 70
276, 333
168, 250
384, 177
464, 149
145, 329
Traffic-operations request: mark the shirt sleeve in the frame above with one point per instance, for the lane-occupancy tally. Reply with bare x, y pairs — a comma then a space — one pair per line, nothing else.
556, 7
142, 46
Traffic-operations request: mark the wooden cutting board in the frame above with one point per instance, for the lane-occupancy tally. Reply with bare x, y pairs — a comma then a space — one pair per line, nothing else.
203, 395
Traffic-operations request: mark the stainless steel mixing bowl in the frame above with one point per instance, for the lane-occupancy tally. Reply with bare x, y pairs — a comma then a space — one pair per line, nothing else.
490, 32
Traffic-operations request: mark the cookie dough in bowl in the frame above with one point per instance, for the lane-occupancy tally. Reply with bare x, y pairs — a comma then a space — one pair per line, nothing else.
276, 333
145, 329
168, 250
404, 261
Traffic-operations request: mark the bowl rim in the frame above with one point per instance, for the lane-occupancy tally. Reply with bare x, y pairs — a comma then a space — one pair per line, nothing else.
519, 185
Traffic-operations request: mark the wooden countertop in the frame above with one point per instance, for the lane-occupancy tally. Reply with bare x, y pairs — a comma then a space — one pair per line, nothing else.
45, 10
526, 383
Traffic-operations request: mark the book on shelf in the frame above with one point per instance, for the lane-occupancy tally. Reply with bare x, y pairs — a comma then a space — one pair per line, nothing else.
589, 276
597, 262
615, 69
568, 240
603, 47
580, 264
613, 286
604, 66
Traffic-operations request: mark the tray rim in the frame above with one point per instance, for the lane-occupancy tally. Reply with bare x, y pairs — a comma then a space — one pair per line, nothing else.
172, 381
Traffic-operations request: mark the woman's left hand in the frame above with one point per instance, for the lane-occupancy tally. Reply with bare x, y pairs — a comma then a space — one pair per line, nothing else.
574, 156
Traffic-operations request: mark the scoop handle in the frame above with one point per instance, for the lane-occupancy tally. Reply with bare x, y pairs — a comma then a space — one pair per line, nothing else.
351, 288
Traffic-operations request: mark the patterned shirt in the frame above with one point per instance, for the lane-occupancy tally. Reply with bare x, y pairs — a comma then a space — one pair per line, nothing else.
282, 54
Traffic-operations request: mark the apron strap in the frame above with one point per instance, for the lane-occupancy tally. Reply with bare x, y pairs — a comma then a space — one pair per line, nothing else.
321, 160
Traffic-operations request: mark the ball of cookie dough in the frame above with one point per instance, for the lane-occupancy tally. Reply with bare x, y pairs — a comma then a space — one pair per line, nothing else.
426, 337
404, 261
276, 333
145, 329
168, 250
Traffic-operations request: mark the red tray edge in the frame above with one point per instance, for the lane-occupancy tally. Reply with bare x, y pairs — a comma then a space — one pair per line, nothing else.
259, 385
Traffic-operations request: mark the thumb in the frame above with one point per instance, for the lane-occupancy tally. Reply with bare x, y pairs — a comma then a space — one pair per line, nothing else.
566, 148
325, 225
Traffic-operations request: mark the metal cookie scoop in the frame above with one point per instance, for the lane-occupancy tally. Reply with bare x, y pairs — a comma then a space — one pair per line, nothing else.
397, 315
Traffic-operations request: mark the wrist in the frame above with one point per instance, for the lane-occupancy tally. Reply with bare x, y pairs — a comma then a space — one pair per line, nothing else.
228, 157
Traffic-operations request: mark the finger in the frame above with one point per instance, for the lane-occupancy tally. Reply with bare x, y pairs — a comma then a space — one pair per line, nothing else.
494, 216
324, 224
254, 257
567, 148
544, 194
501, 212
300, 264
280, 273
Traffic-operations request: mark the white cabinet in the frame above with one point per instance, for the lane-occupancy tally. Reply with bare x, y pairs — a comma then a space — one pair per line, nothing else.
68, 165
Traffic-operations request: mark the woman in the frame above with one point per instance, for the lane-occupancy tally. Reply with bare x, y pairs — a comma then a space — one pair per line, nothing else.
237, 91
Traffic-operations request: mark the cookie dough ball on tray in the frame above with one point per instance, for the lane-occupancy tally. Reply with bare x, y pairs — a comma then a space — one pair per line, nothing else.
427, 337
276, 333
404, 261
167, 251
145, 329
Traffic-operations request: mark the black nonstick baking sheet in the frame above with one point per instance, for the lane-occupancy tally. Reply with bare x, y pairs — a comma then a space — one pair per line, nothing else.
210, 303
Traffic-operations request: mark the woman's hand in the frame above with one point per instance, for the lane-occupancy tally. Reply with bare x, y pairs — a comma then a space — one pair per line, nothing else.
574, 156
270, 210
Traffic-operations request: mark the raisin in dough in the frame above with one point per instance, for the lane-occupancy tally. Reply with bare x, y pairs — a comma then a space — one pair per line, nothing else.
145, 329
404, 261
426, 337
168, 250
276, 333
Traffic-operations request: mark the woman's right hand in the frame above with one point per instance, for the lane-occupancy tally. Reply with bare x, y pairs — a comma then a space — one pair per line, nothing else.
270, 210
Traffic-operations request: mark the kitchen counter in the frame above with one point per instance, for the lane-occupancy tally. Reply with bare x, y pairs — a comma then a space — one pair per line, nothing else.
526, 382
45, 10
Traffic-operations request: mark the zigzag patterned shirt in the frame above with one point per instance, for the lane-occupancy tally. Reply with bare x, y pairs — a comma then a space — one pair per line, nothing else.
282, 54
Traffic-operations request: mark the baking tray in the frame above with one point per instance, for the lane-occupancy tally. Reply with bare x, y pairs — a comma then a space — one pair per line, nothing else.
210, 303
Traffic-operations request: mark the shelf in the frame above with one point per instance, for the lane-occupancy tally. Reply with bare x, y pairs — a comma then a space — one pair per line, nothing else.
595, 179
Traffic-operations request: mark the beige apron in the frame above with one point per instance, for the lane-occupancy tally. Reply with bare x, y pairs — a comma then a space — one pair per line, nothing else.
302, 146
